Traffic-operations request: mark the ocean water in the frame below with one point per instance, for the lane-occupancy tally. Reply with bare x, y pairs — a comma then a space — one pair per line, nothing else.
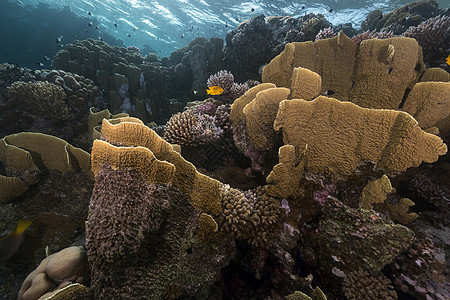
160, 26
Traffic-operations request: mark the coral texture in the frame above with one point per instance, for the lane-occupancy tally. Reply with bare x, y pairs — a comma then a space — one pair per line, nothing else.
360, 284
42, 98
394, 144
252, 215
144, 244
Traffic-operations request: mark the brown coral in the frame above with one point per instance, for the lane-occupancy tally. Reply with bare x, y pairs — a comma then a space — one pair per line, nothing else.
252, 215
361, 285
41, 98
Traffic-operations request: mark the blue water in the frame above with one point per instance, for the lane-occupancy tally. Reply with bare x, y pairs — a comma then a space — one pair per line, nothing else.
166, 25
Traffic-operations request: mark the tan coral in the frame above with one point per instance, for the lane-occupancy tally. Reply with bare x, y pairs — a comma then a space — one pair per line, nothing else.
381, 77
74, 291
53, 152
11, 187
375, 191
333, 59
374, 74
435, 74
138, 158
260, 114
67, 265
284, 179
95, 118
207, 227
399, 212
202, 190
347, 135
429, 103
305, 84
237, 114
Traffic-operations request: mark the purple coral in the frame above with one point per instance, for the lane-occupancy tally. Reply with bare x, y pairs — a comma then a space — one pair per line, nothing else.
223, 78
325, 33
372, 35
207, 108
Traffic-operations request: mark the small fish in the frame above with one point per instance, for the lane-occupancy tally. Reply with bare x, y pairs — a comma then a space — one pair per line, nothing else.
330, 10
39, 64
115, 24
90, 24
214, 90
303, 7
195, 92
237, 19
252, 9
46, 58
128, 35
96, 27
100, 38
182, 36
59, 39
89, 13
447, 60
10, 243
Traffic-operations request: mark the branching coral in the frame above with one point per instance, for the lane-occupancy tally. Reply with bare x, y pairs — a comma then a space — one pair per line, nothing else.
223, 78
252, 215
361, 285
191, 129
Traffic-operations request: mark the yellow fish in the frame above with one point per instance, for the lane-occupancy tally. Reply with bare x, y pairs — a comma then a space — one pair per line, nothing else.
11, 242
214, 90
448, 60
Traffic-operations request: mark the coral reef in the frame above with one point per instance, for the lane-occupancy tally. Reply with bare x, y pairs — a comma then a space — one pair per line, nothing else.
156, 255
133, 83
258, 40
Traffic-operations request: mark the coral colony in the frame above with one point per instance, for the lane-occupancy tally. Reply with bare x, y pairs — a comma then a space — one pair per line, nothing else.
127, 176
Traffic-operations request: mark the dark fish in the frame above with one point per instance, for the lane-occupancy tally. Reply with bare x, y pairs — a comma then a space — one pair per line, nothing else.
115, 24
89, 13
100, 38
303, 7
90, 24
96, 27
10, 243
128, 35
226, 24
182, 36
237, 19
59, 39
330, 10
252, 9
61, 46
39, 64
46, 58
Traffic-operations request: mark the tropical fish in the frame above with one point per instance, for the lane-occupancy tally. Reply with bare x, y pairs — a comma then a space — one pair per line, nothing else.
11, 242
448, 60
214, 90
